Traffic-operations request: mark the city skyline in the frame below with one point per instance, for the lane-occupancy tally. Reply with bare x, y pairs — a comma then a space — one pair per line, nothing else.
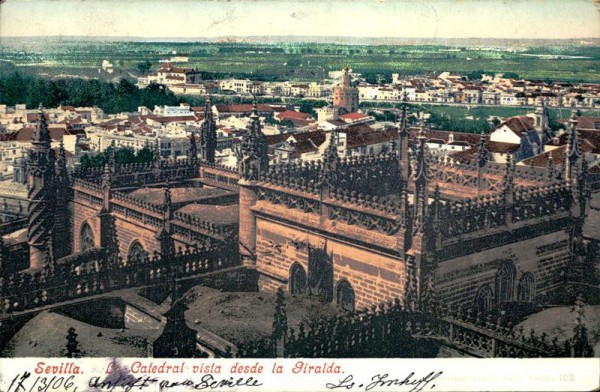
538, 19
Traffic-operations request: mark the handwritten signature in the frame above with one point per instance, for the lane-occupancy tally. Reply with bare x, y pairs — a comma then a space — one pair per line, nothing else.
383, 381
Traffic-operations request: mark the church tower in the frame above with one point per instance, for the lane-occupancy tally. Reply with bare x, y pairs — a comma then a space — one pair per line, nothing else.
40, 177
208, 134
253, 163
345, 97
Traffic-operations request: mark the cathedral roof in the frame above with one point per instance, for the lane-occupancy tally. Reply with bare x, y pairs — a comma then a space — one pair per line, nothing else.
221, 215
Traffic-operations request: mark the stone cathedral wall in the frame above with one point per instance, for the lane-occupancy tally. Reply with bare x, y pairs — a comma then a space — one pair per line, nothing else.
374, 277
457, 280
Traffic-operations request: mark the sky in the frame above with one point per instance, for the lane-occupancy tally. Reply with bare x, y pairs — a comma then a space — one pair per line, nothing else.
354, 18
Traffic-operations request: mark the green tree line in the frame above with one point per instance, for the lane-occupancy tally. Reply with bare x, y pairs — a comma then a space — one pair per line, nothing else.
112, 98
123, 155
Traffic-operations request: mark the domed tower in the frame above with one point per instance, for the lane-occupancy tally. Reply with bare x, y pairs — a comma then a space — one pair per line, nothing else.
40, 177
345, 97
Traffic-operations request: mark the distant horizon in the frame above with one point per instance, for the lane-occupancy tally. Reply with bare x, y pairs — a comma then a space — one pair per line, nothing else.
318, 39
187, 20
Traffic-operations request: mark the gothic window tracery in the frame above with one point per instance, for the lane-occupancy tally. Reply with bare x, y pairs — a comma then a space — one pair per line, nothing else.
297, 279
526, 288
505, 282
484, 299
136, 252
320, 274
86, 237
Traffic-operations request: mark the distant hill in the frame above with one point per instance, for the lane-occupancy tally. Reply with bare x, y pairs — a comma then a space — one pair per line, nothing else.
497, 42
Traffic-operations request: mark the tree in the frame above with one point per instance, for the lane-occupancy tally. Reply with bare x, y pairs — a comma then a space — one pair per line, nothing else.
511, 75
287, 123
144, 67
72, 344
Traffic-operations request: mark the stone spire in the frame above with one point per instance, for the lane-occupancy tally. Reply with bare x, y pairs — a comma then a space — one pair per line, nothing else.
573, 152
403, 140
106, 186
62, 225
156, 157
208, 134
254, 150
331, 158
40, 133
167, 246
482, 152
193, 150
420, 178
508, 193
108, 232
40, 167
112, 156
541, 124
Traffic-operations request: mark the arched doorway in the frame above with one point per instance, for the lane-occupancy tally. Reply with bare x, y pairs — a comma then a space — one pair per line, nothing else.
505, 282
136, 253
297, 279
484, 299
345, 295
86, 237
526, 288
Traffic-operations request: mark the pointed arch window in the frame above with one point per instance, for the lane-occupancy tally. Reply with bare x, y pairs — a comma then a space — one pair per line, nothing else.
297, 279
86, 237
484, 299
320, 274
345, 295
526, 288
505, 282
136, 253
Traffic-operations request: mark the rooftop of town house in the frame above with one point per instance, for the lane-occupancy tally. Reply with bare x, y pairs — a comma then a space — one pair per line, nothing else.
25, 134
242, 108
245, 316
519, 124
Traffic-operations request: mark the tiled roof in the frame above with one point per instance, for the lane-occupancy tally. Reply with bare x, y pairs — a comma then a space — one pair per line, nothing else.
315, 138
588, 123
352, 116
363, 135
519, 125
499, 147
25, 134
242, 108
292, 115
